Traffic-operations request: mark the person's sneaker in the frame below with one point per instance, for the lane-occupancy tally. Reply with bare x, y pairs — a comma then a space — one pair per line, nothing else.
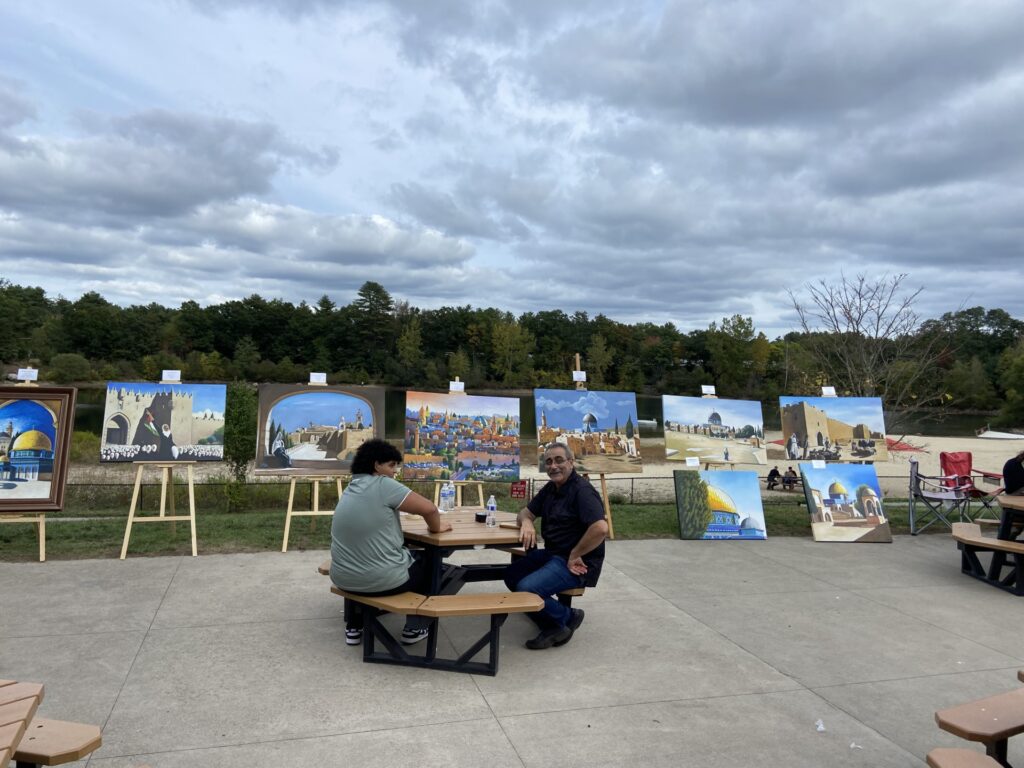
353, 636
575, 619
410, 636
549, 637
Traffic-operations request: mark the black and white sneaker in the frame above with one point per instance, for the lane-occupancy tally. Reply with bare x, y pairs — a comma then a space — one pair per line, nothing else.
353, 636
410, 636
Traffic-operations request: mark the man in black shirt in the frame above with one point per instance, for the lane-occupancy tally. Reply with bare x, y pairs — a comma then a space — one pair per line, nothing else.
574, 532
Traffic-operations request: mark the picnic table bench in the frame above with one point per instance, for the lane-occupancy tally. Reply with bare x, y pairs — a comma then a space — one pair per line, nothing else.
33, 741
990, 721
1005, 554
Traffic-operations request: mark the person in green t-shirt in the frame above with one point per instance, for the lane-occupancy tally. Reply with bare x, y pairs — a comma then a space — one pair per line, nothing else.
368, 554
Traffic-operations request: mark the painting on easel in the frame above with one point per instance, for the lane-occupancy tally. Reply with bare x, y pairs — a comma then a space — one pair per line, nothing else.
303, 430
600, 428
713, 430
143, 421
831, 429
461, 437
35, 435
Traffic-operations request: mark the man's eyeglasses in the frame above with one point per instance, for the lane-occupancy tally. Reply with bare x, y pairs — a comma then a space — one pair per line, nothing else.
555, 460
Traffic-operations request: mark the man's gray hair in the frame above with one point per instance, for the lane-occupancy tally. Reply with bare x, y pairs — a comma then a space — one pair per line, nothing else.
568, 451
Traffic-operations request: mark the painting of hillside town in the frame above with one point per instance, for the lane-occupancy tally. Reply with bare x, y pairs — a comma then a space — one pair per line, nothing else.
143, 421
719, 505
845, 502
831, 429
304, 430
461, 437
713, 430
35, 435
599, 427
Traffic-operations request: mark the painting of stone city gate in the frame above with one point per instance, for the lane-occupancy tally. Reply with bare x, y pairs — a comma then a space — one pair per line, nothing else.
831, 429
143, 421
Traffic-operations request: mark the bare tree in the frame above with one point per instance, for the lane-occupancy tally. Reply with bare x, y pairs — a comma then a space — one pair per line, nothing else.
868, 341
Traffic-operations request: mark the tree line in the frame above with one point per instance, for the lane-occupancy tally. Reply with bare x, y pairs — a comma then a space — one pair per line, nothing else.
970, 359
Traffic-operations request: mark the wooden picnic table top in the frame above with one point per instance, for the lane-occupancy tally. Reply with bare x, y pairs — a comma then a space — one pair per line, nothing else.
989, 720
1013, 502
465, 530
18, 703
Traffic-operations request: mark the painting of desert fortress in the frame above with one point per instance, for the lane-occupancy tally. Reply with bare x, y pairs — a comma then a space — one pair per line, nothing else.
845, 502
831, 429
461, 437
600, 428
714, 431
306, 430
163, 422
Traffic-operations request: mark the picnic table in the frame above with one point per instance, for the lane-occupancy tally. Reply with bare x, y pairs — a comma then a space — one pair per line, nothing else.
1012, 512
18, 704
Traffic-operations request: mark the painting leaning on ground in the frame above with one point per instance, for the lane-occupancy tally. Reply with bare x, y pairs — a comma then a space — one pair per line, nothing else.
599, 427
143, 421
713, 430
35, 435
845, 502
304, 430
461, 437
831, 429
719, 505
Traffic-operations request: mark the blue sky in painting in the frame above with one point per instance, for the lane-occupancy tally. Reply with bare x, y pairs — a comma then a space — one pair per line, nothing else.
695, 410
742, 488
565, 408
852, 410
25, 415
849, 475
326, 408
204, 396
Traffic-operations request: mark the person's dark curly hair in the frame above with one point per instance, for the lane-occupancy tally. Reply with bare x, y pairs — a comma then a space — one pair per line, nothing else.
371, 452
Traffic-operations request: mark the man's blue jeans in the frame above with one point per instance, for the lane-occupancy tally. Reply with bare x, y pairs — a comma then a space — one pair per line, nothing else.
546, 575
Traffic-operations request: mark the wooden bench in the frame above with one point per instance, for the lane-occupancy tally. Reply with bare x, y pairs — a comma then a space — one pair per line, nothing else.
565, 596
951, 757
970, 542
496, 605
990, 721
55, 742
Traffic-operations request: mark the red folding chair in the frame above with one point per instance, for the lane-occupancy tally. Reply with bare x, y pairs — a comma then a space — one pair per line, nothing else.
959, 467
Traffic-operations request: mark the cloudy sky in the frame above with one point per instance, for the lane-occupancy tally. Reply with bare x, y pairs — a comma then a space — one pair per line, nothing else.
663, 161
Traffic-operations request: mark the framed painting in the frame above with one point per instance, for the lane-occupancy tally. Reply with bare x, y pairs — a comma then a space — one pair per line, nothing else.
304, 430
845, 502
599, 427
719, 505
36, 424
163, 422
461, 437
831, 429
713, 430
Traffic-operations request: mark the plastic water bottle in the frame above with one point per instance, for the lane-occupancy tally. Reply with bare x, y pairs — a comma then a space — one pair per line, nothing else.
448, 497
492, 508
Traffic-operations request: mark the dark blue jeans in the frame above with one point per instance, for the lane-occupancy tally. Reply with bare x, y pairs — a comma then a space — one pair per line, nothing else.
544, 574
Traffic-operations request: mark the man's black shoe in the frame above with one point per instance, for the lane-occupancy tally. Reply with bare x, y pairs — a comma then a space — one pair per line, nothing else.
549, 637
575, 619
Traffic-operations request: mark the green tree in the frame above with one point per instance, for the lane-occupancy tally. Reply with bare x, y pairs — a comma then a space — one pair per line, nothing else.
968, 386
410, 348
374, 326
246, 358
22, 310
68, 367
598, 360
1011, 371
512, 346
458, 364
691, 504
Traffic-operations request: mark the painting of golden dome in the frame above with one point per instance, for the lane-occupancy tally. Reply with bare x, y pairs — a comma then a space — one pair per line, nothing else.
719, 500
33, 440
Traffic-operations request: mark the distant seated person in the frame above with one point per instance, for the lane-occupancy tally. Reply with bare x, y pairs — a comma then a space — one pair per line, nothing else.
773, 478
1013, 475
368, 554
789, 479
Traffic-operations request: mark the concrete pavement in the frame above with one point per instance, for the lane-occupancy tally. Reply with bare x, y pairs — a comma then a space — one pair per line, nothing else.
692, 653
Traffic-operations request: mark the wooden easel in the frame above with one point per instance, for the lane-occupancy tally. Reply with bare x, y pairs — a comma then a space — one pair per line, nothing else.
314, 511
581, 386
166, 481
37, 519
459, 485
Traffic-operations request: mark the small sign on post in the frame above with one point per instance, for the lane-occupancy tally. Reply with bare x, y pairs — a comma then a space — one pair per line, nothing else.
318, 379
28, 374
456, 386
818, 463
828, 391
170, 377
692, 461
517, 490
707, 389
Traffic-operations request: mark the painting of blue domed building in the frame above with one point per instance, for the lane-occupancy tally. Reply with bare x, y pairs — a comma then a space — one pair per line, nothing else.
845, 502
34, 436
600, 428
713, 430
719, 505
